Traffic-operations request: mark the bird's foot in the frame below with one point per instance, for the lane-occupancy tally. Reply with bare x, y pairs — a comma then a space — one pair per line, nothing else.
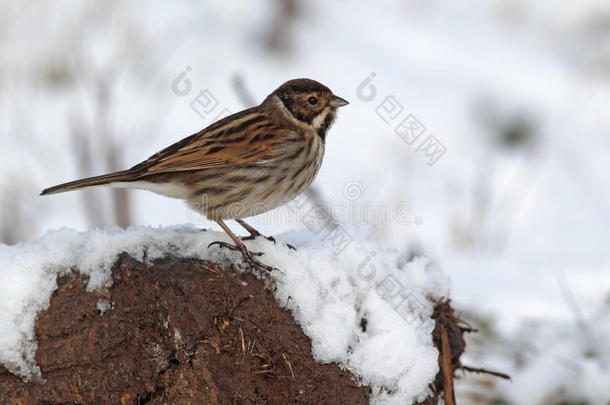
269, 238
255, 234
233, 247
248, 256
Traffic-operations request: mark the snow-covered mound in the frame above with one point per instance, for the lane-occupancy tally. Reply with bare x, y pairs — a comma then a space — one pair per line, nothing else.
369, 312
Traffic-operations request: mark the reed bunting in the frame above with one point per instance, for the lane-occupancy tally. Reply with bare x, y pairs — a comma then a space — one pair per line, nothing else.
242, 165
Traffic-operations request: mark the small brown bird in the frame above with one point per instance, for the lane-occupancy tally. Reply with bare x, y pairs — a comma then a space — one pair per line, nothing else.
242, 165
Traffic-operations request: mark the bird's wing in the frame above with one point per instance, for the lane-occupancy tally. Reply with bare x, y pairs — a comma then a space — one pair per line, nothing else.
242, 138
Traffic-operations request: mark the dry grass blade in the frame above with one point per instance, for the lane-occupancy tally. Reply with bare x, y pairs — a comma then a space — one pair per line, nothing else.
485, 371
288, 363
243, 343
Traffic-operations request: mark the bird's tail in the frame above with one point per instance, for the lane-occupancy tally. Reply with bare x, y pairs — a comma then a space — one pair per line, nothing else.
125, 175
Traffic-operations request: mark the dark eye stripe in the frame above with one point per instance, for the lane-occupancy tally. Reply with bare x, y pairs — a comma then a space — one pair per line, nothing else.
297, 109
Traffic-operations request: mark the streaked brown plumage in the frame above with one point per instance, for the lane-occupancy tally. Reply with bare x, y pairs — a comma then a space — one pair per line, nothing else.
243, 165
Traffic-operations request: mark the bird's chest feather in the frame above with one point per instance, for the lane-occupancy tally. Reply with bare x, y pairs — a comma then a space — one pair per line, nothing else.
306, 166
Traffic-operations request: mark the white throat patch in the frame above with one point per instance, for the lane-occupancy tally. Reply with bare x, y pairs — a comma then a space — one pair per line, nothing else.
320, 118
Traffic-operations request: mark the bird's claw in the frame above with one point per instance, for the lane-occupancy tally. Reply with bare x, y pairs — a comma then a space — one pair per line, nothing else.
253, 236
224, 245
269, 238
248, 255
233, 247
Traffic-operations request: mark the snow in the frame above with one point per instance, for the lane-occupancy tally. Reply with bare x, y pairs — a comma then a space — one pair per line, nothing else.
370, 316
103, 306
501, 221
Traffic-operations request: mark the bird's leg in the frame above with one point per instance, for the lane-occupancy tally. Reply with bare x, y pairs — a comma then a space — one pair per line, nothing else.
254, 233
239, 245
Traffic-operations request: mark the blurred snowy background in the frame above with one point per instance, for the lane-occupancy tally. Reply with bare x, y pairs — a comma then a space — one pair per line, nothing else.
479, 132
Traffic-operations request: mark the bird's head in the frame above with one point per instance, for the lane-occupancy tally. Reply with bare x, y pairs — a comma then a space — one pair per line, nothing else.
309, 102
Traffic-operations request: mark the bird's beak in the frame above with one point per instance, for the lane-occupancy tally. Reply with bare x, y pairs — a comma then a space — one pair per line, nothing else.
338, 102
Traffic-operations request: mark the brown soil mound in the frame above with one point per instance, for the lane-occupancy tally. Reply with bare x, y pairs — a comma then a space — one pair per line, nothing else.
180, 332
183, 331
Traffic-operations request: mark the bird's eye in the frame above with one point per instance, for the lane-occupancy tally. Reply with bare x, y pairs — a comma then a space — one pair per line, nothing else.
312, 100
